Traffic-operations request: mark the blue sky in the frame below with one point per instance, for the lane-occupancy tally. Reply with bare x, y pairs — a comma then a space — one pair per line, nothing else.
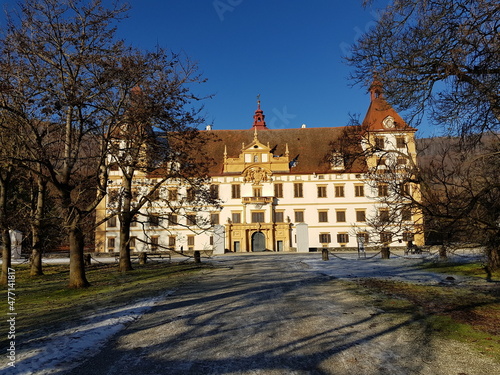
288, 51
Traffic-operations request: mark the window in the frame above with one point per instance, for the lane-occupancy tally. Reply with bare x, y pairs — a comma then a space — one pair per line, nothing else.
112, 222
339, 191
131, 242
190, 240
114, 167
297, 190
171, 241
408, 236
363, 237
279, 217
214, 191
154, 220
325, 238
236, 217
321, 191
172, 194
323, 216
235, 191
382, 162
340, 216
383, 190
258, 217
133, 223
359, 190
154, 243
337, 161
257, 192
405, 189
278, 190
299, 216
172, 219
214, 218
190, 195
342, 238
386, 237
191, 219
400, 142
380, 143
111, 243
406, 214
360, 215
155, 194
384, 215
401, 160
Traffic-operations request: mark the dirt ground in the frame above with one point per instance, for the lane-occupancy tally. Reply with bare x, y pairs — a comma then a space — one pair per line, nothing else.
275, 314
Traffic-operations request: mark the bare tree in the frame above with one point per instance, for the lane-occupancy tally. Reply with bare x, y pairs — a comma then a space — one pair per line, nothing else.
157, 138
460, 193
441, 56
6, 174
390, 173
56, 81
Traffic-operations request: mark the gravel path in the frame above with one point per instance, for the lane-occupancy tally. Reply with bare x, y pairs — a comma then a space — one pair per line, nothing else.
277, 314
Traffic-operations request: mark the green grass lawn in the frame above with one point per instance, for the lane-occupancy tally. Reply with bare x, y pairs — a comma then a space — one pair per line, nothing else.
475, 269
465, 312
45, 303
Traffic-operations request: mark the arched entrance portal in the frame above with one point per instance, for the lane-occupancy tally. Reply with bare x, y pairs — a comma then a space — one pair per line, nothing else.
258, 241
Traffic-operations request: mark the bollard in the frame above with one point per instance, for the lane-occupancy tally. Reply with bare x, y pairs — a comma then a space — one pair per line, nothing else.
87, 259
197, 256
143, 258
324, 254
385, 252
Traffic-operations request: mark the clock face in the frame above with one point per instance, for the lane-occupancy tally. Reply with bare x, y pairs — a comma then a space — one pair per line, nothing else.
388, 122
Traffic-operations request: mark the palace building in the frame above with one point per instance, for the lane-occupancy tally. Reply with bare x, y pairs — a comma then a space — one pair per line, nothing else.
282, 190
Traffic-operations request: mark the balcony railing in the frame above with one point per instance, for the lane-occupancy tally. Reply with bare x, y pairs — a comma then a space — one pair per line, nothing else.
257, 200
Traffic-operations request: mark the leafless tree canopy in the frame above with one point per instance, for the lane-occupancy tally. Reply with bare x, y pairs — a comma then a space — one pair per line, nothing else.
440, 56
71, 87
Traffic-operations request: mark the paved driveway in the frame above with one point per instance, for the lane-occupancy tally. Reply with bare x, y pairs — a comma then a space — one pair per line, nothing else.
271, 314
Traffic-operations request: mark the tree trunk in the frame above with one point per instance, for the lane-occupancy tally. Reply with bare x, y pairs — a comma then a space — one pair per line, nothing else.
36, 229
4, 228
493, 254
385, 252
6, 255
125, 262
125, 221
197, 256
77, 277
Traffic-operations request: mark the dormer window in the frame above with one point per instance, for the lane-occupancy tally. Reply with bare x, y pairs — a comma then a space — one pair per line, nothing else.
337, 161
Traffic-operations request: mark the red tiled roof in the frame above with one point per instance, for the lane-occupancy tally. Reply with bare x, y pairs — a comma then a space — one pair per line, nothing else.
313, 146
379, 109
